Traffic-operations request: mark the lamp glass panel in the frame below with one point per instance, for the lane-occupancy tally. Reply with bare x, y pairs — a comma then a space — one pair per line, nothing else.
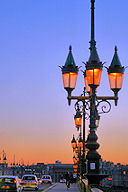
80, 144
93, 73
86, 85
75, 161
76, 149
78, 122
115, 80
69, 80
97, 122
74, 145
75, 166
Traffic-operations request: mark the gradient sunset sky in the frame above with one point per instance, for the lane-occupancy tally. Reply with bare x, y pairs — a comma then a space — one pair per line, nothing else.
36, 123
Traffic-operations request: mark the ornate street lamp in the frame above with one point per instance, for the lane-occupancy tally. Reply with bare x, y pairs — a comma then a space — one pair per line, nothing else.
69, 73
93, 69
115, 74
92, 76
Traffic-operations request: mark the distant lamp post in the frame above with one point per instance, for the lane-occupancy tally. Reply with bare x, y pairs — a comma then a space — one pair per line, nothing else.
13, 166
92, 102
4, 162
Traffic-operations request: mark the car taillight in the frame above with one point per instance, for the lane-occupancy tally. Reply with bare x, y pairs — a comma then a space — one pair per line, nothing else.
34, 182
50, 180
15, 182
22, 181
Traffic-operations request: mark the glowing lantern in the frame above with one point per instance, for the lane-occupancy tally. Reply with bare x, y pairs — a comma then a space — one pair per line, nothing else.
76, 149
75, 170
93, 76
75, 166
115, 74
93, 69
78, 119
73, 142
74, 159
80, 143
86, 83
69, 73
87, 87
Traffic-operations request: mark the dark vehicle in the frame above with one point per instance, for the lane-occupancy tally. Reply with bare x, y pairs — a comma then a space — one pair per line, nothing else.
9, 184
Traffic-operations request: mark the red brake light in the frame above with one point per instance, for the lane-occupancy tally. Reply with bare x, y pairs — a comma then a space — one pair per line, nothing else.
15, 181
34, 182
22, 181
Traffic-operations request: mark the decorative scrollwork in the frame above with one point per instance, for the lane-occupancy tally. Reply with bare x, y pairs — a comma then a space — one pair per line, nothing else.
82, 106
105, 106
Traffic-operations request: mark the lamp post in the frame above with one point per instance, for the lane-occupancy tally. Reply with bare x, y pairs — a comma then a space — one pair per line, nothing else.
4, 162
80, 107
91, 102
77, 145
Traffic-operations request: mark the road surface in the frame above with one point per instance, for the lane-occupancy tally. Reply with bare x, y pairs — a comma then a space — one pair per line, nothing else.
42, 187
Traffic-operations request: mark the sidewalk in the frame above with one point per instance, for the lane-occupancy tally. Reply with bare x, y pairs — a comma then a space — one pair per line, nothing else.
61, 187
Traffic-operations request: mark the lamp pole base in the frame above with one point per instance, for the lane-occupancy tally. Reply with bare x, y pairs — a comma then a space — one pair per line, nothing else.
95, 179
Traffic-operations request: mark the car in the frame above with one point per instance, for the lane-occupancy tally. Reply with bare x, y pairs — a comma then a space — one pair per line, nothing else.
30, 181
62, 180
10, 183
46, 179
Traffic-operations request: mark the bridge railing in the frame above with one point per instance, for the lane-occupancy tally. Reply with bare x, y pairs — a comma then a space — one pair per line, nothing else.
83, 184
84, 187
